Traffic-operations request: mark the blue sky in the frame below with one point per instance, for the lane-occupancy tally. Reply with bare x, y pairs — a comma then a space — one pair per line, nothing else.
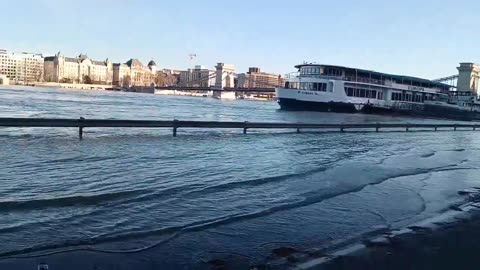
420, 38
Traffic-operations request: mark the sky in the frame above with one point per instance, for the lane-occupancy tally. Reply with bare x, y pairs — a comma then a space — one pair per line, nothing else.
422, 38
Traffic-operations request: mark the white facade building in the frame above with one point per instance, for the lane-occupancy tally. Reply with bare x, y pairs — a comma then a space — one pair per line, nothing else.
4, 80
134, 73
22, 67
59, 68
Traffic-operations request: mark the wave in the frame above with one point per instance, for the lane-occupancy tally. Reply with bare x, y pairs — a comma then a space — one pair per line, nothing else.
428, 155
66, 201
305, 199
253, 182
80, 158
310, 198
199, 189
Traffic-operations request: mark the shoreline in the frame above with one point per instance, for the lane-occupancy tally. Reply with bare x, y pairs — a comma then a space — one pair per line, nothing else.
140, 90
445, 241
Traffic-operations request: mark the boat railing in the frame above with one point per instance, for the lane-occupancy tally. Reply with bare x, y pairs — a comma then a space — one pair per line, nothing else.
291, 75
327, 77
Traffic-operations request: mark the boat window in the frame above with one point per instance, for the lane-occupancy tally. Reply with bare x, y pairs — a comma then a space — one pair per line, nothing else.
396, 96
380, 95
418, 98
349, 91
313, 86
363, 93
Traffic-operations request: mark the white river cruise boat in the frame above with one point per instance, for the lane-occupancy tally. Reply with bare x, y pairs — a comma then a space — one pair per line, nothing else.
331, 88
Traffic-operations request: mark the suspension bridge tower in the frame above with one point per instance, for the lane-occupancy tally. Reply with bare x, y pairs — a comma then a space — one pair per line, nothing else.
468, 78
225, 78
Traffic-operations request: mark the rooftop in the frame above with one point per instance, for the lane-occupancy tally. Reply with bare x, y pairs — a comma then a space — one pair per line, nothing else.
134, 62
71, 59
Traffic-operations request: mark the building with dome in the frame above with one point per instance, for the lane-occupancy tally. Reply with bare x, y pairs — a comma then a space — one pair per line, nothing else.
134, 73
152, 66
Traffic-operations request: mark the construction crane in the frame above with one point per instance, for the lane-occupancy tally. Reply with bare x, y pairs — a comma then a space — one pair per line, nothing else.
190, 59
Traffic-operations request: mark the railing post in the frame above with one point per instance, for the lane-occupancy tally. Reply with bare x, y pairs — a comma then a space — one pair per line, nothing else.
80, 128
377, 129
175, 126
436, 128
245, 128
298, 130
455, 128
474, 128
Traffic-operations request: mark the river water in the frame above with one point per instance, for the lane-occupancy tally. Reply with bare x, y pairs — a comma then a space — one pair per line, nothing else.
141, 199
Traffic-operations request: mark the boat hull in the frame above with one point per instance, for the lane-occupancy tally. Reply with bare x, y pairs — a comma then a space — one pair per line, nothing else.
450, 113
301, 105
419, 110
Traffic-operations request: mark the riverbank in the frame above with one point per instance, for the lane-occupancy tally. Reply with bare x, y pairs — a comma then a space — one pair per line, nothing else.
148, 90
79, 86
224, 95
446, 241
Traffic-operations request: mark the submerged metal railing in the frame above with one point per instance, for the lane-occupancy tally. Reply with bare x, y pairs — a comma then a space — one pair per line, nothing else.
82, 123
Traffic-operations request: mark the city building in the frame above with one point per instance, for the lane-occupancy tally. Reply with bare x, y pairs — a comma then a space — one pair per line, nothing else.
199, 76
80, 69
167, 77
4, 80
254, 78
134, 73
21, 67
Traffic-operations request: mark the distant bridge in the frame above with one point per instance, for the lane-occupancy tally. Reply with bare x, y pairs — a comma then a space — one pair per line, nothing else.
449, 80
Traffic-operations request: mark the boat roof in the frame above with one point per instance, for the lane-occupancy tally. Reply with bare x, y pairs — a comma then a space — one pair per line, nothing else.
393, 76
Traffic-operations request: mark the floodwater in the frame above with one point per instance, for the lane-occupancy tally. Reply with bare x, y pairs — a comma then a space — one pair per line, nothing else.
141, 199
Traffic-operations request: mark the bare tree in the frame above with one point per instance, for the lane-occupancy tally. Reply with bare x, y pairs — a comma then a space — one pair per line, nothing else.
163, 79
159, 79
127, 80
38, 73
66, 80
87, 79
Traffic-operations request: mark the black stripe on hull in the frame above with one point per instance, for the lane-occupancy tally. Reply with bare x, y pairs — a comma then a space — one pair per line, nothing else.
450, 113
341, 107
300, 105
